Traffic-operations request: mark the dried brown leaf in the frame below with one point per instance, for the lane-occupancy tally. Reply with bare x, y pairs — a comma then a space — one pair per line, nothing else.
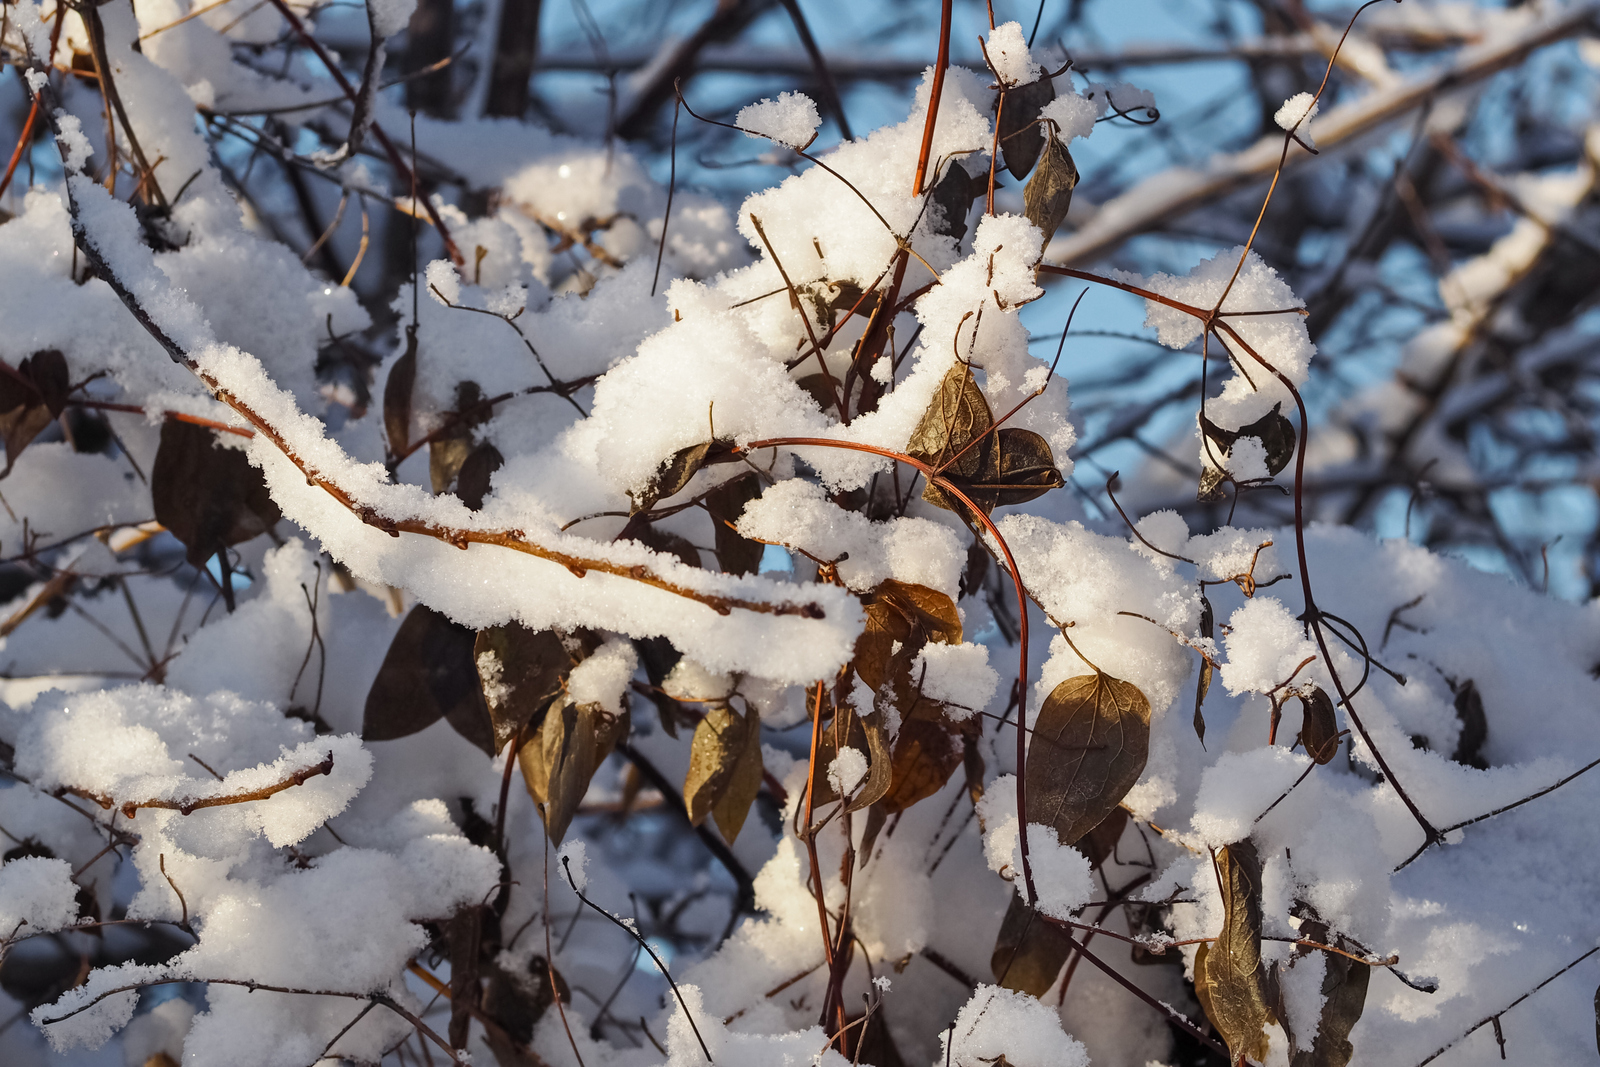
1344, 991
736, 554
397, 392
1235, 996
952, 197
1088, 749
1319, 726
909, 614
1048, 194
1474, 726
428, 674
927, 751
1022, 136
958, 414
1029, 952
208, 496
724, 769
573, 741
520, 671
472, 477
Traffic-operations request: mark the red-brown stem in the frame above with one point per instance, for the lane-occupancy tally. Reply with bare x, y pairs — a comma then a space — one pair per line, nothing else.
22, 144
987, 523
994, 152
933, 96
811, 843
135, 409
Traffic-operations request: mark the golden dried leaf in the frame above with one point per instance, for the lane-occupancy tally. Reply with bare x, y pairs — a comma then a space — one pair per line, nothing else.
958, 414
1235, 997
1088, 749
1018, 466
906, 613
724, 769
927, 751
1319, 726
573, 741
1048, 194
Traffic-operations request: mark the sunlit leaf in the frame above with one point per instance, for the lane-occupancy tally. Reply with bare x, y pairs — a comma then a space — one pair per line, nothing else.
724, 769
1235, 988
573, 741
904, 613
1088, 749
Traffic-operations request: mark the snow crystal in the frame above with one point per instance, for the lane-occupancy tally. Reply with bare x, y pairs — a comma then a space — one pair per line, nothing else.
1007, 50
1296, 114
444, 284
574, 857
847, 770
1012, 1024
958, 675
792, 119
603, 678
1265, 645
75, 148
1073, 115
36, 896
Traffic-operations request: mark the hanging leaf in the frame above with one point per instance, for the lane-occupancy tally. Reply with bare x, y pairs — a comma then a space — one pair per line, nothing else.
1021, 135
1098, 844
573, 741
864, 733
397, 398
428, 674
520, 672
724, 769
1474, 726
1048, 194
736, 554
1319, 727
952, 197
1203, 684
659, 657
31, 397
1344, 991
1088, 749
927, 751
207, 496
472, 479
1029, 952
1235, 987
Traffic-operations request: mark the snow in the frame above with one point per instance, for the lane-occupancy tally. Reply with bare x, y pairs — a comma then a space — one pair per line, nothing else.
847, 770
389, 17
791, 120
1074, 115
959, 675
1007, 50
999, 1022
36, 897
1296, 114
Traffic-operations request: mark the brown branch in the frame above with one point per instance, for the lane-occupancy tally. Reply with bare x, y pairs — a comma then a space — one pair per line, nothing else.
189, 805
934, 94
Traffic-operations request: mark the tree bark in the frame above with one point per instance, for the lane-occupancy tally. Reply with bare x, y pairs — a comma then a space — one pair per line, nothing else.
516, 46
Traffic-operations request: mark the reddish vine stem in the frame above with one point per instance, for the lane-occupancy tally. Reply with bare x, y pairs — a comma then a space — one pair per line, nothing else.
933, 96
190, 805
810, 836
